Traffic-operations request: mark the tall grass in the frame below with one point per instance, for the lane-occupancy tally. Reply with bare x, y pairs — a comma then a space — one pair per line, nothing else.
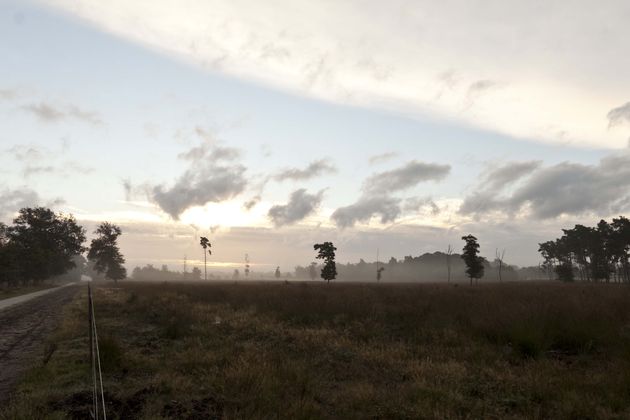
308, 350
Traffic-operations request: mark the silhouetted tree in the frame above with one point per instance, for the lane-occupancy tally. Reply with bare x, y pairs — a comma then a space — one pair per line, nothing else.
105, 254
41, 244
277, 273
326, 252
594, 253
205, 244
246, 266
474, 263
499, 261
379, 273
449, 252
620, 247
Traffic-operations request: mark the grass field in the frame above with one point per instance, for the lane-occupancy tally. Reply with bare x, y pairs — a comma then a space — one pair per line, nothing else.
310, 350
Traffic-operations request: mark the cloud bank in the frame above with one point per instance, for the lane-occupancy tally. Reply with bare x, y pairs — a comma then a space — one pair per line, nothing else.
569, 189
377, 193
375, 54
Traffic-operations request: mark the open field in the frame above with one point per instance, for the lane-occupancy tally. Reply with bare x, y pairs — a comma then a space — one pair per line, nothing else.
310, 350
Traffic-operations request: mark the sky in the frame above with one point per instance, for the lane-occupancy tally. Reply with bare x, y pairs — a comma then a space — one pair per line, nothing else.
269, 126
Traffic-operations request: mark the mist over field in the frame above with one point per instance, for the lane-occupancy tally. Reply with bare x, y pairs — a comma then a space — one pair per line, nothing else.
232, 209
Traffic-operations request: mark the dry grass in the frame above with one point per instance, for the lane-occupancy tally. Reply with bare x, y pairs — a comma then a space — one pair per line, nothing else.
306, 350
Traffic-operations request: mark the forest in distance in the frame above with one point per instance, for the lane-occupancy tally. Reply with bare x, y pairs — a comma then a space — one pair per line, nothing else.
599, 253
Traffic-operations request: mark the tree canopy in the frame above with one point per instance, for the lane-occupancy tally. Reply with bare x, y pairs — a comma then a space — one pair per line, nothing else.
474, 263
326, 252
39, 244
598, 253
105, 254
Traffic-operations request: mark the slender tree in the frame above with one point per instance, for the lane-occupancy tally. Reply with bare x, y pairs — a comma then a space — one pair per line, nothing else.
246, 266
326, 252
449, 252
499, 259
277, 273
379, 269
206, 245
474, 263
105, 254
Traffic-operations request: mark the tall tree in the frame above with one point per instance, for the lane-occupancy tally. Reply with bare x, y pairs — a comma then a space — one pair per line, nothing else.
326, 252
44, 243
474, 263
205, 244
246, 266
105, 254
277, 273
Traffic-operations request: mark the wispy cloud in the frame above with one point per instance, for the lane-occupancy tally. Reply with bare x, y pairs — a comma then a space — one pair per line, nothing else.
619, 115
53, 113
382, 157
314, 169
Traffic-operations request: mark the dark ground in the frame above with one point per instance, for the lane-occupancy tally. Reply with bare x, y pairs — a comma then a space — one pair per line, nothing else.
23, 331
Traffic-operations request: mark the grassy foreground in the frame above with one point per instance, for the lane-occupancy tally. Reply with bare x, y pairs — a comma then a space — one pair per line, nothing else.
306, 350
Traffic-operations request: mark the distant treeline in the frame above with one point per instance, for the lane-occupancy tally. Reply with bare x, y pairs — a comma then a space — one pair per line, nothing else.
594, 254
151, 273
429, 267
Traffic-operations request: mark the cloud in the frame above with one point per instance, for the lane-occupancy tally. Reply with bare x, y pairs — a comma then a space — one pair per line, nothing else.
485, 196
334, 52
405, 177
213, 176
387, 208
128, 188
416, 203
64, 169
13, 200
383, 157
49, 113
376, 198
300, 205
8, 94
619, 115
250, 204
314, 169
508, 173
566, 188
25, 153
41, 160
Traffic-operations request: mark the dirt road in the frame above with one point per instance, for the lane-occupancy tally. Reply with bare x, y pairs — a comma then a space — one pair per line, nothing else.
24, 327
